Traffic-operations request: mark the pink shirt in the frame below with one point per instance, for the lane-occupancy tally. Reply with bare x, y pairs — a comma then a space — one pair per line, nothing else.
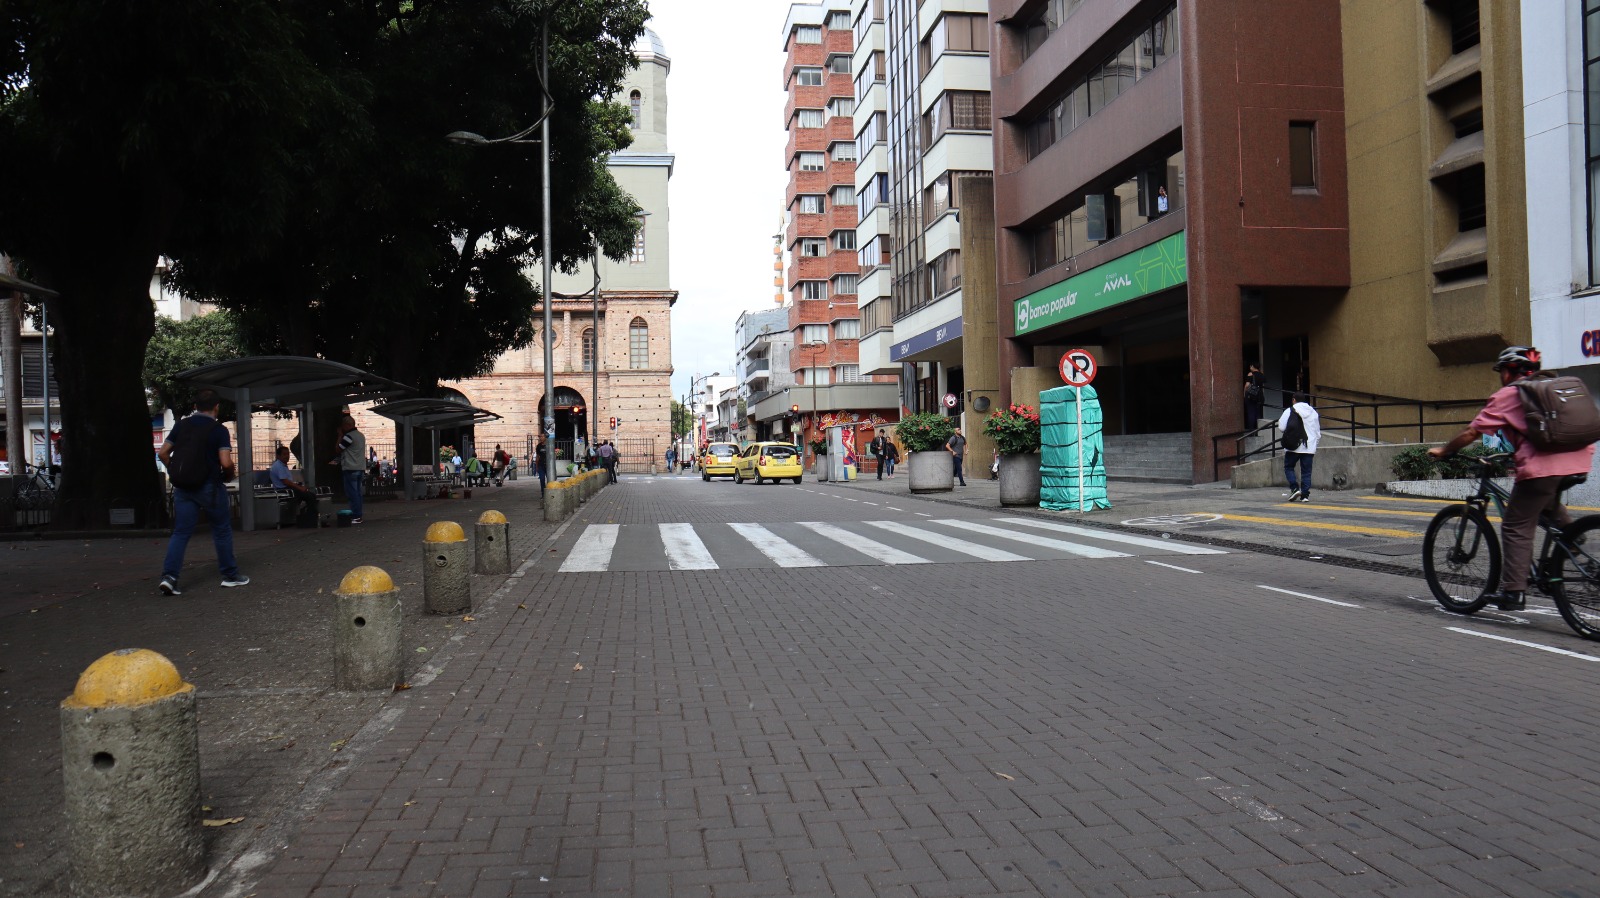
1504, 413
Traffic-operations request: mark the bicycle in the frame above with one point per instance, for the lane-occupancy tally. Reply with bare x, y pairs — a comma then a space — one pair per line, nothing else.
1461, 549
34, 490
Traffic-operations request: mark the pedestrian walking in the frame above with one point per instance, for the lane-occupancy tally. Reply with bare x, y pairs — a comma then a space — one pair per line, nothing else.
876, 447
1537, 489
351, 457
608, 457
891, 457
957, 445
198, 455
541, 458
498, 465
1255, 396
672, 460
1301, 427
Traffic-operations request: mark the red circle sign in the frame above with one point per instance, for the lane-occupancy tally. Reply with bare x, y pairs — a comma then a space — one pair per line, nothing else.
1078, 368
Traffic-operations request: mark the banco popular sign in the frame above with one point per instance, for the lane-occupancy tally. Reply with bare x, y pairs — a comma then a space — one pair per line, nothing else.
1156, 267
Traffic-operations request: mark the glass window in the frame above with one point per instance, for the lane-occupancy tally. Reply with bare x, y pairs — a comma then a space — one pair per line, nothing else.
846, 374
844, 284
870, 14
637, 256
839, 20
843, 196
813, 161
871, 73
874, 133
955, 110
813, 289
635, 109
808, 34
588, 349
847, 329
808, 77
810, 204
814, 333
839, 64
808, 118
1303, 155
844, 151
1591, 109
638, 344
944, 273
845, 239
842, 107
813, 246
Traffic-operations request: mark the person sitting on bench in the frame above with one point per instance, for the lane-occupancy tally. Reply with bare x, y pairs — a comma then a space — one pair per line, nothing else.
282, 479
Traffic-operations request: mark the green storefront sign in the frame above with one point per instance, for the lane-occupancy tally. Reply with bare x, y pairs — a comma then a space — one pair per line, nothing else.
1150, 270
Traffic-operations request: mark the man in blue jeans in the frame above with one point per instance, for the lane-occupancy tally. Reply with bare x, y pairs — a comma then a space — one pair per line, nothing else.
352, 462
210, 497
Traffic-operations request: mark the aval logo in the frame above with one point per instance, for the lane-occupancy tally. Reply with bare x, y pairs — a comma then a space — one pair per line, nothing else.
1116, 283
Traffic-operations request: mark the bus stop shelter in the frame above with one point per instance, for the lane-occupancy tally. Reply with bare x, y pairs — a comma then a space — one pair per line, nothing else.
285, 382
432, 415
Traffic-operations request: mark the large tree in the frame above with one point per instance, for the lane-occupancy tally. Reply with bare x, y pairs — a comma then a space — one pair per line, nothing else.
290, 157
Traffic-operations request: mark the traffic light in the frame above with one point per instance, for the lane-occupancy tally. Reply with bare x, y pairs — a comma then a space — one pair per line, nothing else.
613, 423
794, 411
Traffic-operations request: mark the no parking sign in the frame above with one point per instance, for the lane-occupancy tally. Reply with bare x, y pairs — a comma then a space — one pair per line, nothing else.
1078, 368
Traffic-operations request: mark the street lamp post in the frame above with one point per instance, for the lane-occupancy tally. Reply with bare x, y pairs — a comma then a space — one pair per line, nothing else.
811, 376
693, 394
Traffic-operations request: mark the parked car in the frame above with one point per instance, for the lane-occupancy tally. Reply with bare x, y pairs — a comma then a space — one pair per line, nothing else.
767, 461
717, 460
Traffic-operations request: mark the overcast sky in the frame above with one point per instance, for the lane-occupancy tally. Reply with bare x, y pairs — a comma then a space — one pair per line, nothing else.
725, 125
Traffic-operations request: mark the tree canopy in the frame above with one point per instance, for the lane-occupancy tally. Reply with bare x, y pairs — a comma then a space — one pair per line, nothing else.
289, 157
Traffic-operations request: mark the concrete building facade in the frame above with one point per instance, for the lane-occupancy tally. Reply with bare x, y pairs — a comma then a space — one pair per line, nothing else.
613, 363
762, 343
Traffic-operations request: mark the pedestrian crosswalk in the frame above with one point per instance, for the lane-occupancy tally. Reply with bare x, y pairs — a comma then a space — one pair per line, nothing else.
808, 544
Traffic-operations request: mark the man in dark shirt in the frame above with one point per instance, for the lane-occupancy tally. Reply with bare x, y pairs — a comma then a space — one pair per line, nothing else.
210, 497
957, 444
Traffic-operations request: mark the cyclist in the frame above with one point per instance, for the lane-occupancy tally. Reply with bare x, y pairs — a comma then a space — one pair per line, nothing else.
1539, 474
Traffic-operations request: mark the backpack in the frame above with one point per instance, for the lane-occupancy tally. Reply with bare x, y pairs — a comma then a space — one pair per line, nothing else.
1294, 431
189, 468
1561, 414
1252, 392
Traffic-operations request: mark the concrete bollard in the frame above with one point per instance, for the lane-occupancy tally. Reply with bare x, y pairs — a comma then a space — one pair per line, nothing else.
491, 548
366, 632
446, 579
555, 504
130, 755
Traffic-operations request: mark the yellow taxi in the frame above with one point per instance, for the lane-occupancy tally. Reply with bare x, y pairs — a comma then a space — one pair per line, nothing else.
767, 461
717, 460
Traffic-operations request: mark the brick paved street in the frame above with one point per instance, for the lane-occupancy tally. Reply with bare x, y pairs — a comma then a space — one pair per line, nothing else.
1149, 724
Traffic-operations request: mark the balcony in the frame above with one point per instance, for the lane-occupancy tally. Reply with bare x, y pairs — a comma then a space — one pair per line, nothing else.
756, 372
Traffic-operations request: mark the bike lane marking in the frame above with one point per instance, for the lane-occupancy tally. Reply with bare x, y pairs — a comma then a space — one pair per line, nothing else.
1531, 645
1319, 525
1306, 595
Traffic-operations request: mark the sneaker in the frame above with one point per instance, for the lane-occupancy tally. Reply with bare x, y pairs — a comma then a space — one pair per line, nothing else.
1305, 497
1291, 495
169, 587
355, 520
1509, 599
236, 580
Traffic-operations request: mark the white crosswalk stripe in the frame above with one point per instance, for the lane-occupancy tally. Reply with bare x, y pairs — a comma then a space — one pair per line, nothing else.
813, 544
1110, 536
593, 550
685, 551
884, 553
948, 542
780, 550
1058, 545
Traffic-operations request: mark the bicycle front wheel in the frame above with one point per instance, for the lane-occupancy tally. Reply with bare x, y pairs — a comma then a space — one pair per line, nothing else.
1577, 596
1461, 559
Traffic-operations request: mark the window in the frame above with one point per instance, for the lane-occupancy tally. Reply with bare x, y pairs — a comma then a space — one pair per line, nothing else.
847, 374
1303, 155
813, 289
944, 273
839, 20
637, 257
813, 333
843, 195
839, 64
875, 132
955, 110
810, 204
871, 73
1591, 115
1464, 33
876, 192
638, 344
635, 108
816, 376
847, 329
844, 283
1472, 204
843, 151
808, 77
845, 240
1049, 19
813, 246
813, 161
841, 107
871, 13
875, 253
808, 118
808, 34
588, 349
957, 33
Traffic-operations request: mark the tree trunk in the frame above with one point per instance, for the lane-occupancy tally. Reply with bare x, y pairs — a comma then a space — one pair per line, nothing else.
103, 322
11, 376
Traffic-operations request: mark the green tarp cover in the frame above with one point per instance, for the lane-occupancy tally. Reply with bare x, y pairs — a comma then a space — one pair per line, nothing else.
1061, 435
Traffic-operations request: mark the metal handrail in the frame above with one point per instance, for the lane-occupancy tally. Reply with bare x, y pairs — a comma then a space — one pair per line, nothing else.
1341, 417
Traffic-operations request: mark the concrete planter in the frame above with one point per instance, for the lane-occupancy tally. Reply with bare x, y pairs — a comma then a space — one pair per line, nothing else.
931, 472
821, 467
1019, 479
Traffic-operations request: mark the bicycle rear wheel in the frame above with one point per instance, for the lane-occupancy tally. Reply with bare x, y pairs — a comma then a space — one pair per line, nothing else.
1460, 559
1577, 596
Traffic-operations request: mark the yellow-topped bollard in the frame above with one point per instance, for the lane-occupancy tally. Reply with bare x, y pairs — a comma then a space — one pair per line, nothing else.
446, 577
366, 631
491, 551
130, 758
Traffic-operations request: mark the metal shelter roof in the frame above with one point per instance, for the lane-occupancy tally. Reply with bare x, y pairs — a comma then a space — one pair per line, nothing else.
287, 381
433, 414
21, 286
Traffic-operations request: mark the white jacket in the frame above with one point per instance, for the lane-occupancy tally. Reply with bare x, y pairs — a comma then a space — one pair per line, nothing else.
1312, 421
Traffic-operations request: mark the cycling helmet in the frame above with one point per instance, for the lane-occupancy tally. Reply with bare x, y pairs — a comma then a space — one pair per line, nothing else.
1524, 358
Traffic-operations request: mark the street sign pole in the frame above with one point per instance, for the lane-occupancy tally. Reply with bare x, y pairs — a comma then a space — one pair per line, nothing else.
1078, 369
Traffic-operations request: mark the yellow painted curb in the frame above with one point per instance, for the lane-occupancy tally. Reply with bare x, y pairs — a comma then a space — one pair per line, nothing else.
1319, 525
445, 532
126, 677
366, 580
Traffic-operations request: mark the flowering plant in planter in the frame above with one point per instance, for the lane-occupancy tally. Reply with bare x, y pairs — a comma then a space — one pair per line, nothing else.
1015, 430
924, 431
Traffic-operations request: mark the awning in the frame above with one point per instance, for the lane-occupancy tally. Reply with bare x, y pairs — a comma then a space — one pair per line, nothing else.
427, 414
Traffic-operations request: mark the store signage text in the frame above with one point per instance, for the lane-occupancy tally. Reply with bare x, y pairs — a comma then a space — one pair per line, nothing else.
1155, 268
